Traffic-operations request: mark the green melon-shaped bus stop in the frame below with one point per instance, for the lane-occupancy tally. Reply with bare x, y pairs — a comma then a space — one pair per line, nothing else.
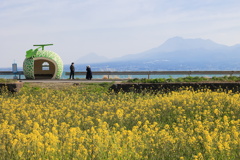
42, 64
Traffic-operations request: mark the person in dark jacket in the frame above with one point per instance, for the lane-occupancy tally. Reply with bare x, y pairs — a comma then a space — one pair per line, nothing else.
89, 73
72, 70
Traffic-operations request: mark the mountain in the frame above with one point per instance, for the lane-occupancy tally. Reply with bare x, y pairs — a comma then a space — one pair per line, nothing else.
180, 54
179, 49
91, 58
178, 43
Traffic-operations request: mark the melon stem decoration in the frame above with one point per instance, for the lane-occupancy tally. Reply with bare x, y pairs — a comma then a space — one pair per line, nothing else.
30, 53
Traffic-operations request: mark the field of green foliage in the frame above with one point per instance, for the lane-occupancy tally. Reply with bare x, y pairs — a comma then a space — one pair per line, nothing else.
187, 79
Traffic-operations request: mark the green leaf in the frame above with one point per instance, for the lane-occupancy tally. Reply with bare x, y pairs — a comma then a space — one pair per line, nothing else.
30, 53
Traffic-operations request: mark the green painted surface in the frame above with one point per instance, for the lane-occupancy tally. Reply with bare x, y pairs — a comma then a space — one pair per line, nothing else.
42, 45
30, 53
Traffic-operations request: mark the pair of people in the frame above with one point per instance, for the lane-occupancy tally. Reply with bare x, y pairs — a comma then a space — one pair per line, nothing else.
88, 74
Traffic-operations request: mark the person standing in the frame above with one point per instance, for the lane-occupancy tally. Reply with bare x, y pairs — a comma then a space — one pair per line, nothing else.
89, 73
72, 70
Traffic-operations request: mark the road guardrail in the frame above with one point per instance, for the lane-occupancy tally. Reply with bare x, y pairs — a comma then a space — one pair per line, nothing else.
149, 73
19, 73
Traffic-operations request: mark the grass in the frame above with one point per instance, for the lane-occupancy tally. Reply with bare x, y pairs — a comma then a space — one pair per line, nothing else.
103, 86
186, 79
3, 80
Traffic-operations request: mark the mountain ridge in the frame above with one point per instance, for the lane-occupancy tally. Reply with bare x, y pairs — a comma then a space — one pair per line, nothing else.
176, 45
180, 53
91, 58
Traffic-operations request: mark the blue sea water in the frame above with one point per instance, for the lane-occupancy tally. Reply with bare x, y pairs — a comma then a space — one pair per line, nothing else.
118, 77
94, 76
111, 77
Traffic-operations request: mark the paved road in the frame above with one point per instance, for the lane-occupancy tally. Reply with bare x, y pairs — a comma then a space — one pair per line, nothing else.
71, 81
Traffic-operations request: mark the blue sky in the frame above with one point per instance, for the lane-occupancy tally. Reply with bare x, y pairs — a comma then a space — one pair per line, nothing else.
111, 28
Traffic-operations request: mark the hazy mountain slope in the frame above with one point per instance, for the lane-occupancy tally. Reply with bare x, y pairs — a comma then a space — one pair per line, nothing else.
178, 49
176, 54
91, 58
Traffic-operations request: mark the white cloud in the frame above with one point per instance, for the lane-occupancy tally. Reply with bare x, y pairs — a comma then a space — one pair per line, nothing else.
112, 27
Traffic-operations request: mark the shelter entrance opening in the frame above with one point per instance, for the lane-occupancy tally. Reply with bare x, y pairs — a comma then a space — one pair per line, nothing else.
44, 69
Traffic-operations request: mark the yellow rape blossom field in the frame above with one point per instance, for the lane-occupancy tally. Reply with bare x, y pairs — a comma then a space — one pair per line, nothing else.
92, 123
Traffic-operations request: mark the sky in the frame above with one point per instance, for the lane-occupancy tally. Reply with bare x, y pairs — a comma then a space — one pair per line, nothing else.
110, 28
